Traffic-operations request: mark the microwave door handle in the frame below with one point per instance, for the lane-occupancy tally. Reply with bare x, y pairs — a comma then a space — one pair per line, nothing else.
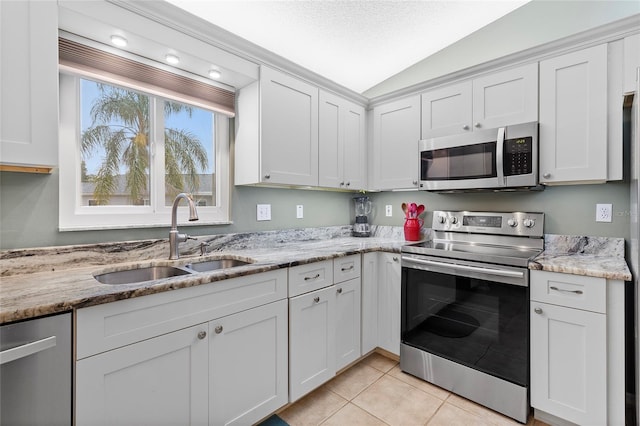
500, 157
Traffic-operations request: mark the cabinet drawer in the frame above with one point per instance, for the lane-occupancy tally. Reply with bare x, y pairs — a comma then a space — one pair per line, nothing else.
310, 277
346, 268
111, 325
574, 291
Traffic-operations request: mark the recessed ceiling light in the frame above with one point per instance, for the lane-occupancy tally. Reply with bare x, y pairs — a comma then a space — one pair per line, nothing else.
215, 74
172, 59
118, 40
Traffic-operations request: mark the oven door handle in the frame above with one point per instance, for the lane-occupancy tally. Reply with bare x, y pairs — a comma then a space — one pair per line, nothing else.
491, 271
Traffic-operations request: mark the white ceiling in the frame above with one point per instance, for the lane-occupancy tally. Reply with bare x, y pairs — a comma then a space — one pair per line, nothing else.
356, 43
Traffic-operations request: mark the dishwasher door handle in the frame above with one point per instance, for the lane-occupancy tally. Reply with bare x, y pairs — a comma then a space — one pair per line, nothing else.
27, 349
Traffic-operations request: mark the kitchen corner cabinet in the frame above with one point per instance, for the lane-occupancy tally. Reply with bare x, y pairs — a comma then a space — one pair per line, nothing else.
342, 151
577, 348
573, 117
396, 132
277, 131
211, 354
29, 74
497, 99
324, 323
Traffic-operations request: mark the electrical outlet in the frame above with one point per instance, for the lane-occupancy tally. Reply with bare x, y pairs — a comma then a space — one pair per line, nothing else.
603, 212
299, 211
388, 210
264, 212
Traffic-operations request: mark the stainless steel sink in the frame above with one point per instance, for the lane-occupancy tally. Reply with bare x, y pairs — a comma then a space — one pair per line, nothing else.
214, 265
140, 275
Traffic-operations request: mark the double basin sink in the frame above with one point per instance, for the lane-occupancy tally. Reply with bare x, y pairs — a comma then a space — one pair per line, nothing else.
151, 273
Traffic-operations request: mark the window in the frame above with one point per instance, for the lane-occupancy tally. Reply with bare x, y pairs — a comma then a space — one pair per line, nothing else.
126, 152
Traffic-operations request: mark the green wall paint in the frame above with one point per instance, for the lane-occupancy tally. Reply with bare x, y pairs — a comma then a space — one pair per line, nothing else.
568, 210
29, 210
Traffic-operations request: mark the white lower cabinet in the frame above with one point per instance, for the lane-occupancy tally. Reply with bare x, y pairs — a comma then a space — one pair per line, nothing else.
248, 364
212, 354
577, 349
347, 322
389, 302
369, 307
157, 381
312, 337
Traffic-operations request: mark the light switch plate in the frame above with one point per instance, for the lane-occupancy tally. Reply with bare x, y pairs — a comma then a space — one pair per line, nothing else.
264, 212
388, 210
299, 211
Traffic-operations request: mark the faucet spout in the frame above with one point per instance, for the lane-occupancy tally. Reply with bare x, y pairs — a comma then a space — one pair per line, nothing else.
176, 238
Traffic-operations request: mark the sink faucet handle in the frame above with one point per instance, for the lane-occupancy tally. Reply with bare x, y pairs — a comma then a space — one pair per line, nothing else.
203, 248
189, 237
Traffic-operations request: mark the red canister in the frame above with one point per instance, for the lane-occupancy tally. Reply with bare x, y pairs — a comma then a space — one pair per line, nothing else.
412, 227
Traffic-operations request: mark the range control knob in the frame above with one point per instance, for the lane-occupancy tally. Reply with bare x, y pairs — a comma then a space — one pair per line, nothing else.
529, 223
453, 220
513, 222
442, 219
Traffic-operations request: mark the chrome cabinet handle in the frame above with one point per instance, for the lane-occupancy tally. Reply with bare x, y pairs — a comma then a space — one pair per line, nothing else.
339, 291
348, 183
477, 125
346, 269
341, 183
395, 258
415, 182
546, 175
218, 329
465, 127
316, 299
267, 176
566, 291
202, 335
538, 310
27, 349
312, 278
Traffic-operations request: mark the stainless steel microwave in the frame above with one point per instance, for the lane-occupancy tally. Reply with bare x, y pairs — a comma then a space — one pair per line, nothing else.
505, 158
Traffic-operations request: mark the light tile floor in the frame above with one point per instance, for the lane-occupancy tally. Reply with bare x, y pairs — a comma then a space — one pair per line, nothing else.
376, 392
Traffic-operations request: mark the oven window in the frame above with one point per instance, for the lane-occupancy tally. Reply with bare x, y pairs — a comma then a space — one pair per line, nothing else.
481, 324
465, 162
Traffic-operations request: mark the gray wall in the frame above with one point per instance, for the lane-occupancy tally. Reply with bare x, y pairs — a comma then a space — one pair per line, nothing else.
568, 210
29, 210
536, 23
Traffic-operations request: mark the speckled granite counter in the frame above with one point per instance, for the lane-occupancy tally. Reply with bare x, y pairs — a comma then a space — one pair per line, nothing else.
44, 281
591, 256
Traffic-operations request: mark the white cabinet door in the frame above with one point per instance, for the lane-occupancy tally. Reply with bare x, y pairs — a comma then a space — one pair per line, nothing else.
389, 302
312, 328
289, 129
506, 97
447, 110
248, 364
369, 301
573, 117
347, 322
29, 81
342, 141
568, 363
157, 381
396, 133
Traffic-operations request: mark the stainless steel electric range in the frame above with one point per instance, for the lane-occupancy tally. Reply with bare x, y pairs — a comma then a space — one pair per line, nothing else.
465, 306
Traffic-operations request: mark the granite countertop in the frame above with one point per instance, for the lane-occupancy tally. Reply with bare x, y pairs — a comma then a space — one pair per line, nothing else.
43, 281
590, 256
55, 283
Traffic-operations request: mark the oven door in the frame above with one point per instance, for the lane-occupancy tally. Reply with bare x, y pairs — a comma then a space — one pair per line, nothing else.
469, 313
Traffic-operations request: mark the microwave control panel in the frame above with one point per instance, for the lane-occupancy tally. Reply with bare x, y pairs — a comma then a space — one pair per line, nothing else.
518, 156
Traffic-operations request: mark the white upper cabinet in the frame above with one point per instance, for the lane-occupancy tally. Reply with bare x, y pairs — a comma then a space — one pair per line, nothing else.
396, 133
631, 62
493, 100
573, 117
342, 151
277, 141
29, 95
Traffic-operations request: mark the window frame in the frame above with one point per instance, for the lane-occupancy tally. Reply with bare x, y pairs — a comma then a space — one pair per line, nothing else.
73, 216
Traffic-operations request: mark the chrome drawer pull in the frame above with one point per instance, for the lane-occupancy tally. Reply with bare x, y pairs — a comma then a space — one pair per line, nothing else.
347, 269
202, 335
567, 291
538, 310
316, 299
312, 278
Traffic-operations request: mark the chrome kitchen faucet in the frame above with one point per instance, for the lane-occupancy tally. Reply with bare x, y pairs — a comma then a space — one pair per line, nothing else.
174, 237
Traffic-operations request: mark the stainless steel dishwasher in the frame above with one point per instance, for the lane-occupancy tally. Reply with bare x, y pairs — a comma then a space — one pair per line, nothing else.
35, 372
